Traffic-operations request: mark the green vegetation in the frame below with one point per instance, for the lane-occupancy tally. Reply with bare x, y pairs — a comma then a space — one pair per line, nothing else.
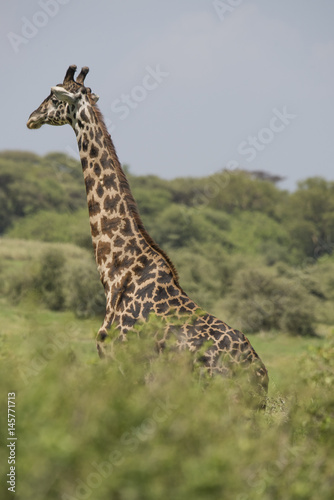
144, 427
246, 250
57, 276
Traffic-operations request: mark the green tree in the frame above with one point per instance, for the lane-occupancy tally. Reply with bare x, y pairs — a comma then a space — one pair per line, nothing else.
51, 226
29, 183
309, 218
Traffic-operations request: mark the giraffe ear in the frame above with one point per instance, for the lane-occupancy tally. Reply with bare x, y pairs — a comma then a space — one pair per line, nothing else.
64, 95
95, 97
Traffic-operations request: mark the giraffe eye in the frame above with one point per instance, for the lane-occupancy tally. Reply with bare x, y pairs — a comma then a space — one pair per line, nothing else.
55, 100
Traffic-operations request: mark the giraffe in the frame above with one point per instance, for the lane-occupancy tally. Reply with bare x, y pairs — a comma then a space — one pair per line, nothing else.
138, 277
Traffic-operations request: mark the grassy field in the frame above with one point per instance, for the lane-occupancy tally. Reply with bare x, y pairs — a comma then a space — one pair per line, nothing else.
144, 428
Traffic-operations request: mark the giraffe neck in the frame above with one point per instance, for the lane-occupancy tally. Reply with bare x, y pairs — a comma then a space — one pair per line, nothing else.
116, 227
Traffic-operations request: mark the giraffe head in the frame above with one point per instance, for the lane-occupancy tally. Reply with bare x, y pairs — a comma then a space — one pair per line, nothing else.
65, 99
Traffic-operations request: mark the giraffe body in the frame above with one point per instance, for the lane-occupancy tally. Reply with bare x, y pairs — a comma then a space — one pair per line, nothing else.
138, 277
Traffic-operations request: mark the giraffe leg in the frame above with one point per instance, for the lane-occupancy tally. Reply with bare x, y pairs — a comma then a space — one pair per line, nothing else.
100, 345
103, 334
264, 381
260, 382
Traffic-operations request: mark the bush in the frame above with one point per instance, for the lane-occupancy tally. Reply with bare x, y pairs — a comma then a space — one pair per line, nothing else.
198, 276
54, 227
105, 430
206, 271
60, 277
260, 300
49, 281
85, 294
75, 285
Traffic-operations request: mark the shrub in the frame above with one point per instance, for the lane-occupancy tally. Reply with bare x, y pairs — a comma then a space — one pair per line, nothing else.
54, 227
198, 276
49, 281
60, 277
262, 301
85, 294
148, 427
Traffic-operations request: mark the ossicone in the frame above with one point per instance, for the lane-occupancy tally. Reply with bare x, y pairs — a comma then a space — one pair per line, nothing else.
70, 74
82, 75
69, 77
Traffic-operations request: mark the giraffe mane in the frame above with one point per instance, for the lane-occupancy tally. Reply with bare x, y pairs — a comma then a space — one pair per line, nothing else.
132, 205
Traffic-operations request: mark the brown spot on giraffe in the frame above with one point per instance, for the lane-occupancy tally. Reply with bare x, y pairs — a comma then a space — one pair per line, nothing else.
90, 181
138, 277
102, 251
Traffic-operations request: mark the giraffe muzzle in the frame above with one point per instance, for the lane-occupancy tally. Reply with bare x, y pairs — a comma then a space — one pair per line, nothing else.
34, 123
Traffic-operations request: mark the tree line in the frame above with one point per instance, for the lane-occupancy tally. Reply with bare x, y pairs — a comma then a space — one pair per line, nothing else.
240, 242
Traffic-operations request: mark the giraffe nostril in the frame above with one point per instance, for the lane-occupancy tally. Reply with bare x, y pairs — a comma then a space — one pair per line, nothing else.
30, 123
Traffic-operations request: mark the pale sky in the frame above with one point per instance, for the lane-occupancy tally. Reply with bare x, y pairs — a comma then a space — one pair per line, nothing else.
187, 87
